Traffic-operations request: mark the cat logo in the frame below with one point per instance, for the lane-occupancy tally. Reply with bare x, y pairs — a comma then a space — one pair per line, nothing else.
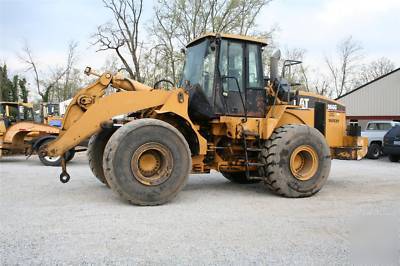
304, 102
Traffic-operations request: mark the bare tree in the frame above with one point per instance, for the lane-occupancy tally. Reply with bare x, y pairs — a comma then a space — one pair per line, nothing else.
342, 72
46, 86
123, 33
42, 88
177, 22
69, 73
375, 69
320, 85
65, 87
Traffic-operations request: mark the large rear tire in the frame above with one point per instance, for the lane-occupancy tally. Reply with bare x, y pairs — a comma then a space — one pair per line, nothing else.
147, 162
297, 161
95, 152
238, 177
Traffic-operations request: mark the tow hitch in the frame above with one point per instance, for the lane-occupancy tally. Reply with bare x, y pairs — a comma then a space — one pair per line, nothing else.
64, 176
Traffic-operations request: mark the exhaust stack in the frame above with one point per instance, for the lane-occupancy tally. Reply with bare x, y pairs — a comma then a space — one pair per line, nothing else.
274, 62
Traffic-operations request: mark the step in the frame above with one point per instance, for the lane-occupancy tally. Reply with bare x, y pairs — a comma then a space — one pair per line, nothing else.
256, 178
250, 133
255, 164
254, 149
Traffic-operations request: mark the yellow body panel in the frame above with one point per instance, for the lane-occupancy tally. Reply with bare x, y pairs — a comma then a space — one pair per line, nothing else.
335, 129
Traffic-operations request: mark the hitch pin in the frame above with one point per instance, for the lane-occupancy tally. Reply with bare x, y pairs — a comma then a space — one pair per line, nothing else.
64, 176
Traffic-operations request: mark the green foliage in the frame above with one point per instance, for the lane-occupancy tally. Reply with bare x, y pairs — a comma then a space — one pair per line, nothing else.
24, 92
9, 88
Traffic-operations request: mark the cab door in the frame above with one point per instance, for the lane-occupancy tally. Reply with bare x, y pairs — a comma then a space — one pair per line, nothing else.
231, 66
255, 91
240, 69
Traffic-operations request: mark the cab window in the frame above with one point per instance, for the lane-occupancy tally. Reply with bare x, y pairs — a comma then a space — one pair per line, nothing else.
199, 67
208, 72
231, 65
254, 67
13, 113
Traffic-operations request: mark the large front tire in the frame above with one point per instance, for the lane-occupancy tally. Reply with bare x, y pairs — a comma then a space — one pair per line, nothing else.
147, 162
297, 161
95, 152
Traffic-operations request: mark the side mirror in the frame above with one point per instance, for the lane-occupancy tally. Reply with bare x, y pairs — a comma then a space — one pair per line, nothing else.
87, 71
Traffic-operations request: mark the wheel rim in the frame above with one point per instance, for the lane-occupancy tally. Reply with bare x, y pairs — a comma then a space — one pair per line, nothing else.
376, 152
52, 159
152, 164
304, 162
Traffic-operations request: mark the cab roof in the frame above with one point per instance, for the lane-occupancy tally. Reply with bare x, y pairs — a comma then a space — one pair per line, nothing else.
29, 105
257, 40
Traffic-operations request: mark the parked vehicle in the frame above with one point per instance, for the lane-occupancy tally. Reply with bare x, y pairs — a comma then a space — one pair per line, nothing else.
391, 144
19, 134
375, 131
51, 114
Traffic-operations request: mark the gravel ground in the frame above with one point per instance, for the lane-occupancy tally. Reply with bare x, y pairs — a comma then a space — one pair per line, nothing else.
212, 221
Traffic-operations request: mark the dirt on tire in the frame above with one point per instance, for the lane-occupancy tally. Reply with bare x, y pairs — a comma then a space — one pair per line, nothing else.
276, 157
117, 162
95, 151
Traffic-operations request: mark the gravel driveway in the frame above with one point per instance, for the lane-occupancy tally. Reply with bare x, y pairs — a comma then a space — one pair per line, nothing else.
212, 221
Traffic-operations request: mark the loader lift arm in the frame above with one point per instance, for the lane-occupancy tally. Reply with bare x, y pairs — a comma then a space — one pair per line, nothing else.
88, 110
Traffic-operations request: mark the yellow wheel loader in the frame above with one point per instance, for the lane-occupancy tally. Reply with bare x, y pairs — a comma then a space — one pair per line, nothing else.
224, 115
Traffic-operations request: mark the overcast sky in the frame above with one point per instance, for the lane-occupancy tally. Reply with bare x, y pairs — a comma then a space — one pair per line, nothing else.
314, 25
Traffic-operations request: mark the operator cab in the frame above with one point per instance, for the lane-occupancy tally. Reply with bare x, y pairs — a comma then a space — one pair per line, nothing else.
224, 76
13, 112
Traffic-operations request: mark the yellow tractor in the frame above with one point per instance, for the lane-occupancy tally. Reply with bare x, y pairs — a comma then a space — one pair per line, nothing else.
20, 134
224, 115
